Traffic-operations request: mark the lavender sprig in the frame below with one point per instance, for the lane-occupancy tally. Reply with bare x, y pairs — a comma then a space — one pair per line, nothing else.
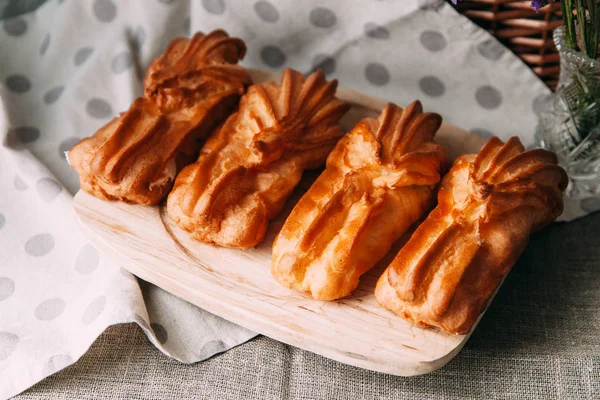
537, 4
582, 22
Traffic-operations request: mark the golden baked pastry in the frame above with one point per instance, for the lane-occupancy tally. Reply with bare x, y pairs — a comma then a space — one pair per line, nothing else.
249, 167
188, 91
379, 180
489, 204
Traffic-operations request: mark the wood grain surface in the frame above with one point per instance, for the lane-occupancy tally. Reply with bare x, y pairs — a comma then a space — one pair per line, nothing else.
237, 284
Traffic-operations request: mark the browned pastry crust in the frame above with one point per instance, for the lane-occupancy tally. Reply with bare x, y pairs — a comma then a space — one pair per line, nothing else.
188, 91
249, 167
488, 206
379, 180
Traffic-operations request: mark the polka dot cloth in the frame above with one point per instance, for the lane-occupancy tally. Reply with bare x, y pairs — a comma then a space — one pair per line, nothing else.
57, 292
377, 74
105, 10
53, 94
216, 7
375, 31
272, 56
121, 62
98, 108
325, 63
82, 54
266, 11
322, 17
432, 40
55, 287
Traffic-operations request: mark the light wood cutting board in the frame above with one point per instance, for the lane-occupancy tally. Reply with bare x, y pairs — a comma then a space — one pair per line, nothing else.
237, 284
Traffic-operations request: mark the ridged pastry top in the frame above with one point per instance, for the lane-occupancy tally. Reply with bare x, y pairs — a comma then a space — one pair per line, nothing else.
250, 166
504, 177
396, 149
488, 206
188, 91
379, 180
191, 70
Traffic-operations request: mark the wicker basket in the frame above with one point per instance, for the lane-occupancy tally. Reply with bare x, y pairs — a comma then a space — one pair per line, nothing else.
527, 33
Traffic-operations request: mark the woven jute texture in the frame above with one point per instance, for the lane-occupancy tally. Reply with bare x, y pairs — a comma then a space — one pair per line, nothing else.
540, 339
526, 32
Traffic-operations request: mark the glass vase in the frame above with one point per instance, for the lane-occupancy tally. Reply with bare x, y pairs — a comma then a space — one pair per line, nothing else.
570, 126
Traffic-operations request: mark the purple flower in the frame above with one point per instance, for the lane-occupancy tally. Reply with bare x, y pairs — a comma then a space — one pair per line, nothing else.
537, 4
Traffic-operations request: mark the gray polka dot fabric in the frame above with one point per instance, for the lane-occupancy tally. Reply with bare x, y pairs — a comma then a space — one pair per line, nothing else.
48, 189
541, 102
160, 332
56, 363
433, 40
49, 310
105, 10
39, 245
8, 344
121, 62
18, 83
324, 63
266, 11
26, 134
93, 310
87, 260
322, 17
53, 94
591, 204
15, 26
484, 133
488, 97
138, 38
377, 74
70, 66
98, 108
7, 286
375, 31
45, 45
272, 56
82, 54
20, 183
432, 86
491, 49
216, 7
57, 292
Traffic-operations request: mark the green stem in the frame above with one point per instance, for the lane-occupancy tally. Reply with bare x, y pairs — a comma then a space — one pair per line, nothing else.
567, 12
582, 24
594, 28
588, 24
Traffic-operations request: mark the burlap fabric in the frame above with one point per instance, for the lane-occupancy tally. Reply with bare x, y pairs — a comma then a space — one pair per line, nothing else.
540, 339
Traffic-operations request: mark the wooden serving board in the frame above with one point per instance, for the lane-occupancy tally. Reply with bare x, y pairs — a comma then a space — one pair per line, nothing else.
237, 284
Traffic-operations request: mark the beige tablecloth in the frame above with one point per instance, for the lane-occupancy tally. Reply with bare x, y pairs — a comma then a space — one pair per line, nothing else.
540, 339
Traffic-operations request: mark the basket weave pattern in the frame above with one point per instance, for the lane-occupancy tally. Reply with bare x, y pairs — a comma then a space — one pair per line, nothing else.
527, 33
